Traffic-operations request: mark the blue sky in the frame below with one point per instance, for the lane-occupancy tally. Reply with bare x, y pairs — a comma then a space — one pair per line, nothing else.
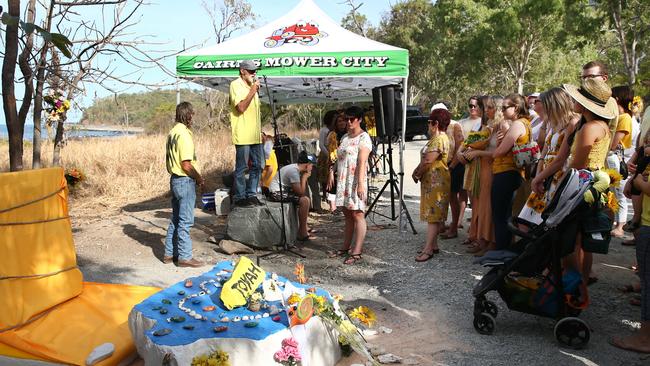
173, 22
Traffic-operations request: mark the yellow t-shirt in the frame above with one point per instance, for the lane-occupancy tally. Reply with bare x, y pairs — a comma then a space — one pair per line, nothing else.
272, 162
180, 147
246, 127
625, 125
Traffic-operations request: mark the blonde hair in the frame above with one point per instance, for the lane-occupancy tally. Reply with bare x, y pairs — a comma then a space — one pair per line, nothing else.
496, 101
558, 107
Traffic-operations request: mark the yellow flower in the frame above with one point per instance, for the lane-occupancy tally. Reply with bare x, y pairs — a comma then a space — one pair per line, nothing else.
300, 273
319, 301
363, 314
612, 202
614, 177
337, 297
293, 299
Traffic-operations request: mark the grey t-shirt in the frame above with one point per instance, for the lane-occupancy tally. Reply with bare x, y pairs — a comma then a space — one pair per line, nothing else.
289, 174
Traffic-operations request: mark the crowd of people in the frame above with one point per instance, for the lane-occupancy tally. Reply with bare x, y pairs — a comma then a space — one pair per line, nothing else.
488, 160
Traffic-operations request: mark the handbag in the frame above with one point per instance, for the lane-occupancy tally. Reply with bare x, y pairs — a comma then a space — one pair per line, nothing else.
526, 154
622, 168
596, 227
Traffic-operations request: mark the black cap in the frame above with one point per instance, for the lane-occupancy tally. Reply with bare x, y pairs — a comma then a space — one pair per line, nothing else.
304, 158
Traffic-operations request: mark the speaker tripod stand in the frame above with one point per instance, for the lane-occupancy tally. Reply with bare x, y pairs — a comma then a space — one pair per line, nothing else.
392, 182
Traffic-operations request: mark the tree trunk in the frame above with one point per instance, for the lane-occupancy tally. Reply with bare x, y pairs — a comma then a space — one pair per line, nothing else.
14, 128
26, 67
58, 142
38, 94
520, 85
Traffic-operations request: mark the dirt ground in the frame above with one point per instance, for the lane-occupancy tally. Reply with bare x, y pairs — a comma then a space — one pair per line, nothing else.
428, 306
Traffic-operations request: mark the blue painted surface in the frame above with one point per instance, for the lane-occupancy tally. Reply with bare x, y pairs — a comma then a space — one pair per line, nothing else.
205, 328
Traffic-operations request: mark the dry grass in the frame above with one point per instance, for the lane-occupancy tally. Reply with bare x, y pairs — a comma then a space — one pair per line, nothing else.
130, 170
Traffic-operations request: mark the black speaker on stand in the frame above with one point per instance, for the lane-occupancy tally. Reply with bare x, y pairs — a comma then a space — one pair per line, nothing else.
387, 101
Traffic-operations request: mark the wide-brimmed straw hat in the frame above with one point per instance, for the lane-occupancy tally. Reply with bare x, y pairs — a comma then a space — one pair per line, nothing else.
596, 96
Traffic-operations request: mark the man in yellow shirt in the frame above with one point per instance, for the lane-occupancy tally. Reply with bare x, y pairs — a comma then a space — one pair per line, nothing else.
183, 167
245, 123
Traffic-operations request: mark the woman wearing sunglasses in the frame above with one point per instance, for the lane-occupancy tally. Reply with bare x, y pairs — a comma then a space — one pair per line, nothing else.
435, 186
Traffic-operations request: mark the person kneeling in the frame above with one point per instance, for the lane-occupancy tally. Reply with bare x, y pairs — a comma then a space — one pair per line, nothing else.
294, 189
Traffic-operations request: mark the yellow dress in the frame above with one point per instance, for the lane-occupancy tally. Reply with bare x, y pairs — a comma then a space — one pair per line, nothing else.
435, 184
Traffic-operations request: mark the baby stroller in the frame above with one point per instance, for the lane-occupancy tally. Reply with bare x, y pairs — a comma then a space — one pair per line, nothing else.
532, 279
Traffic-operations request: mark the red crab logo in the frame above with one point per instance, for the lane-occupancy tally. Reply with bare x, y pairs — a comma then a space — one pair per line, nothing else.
305, 33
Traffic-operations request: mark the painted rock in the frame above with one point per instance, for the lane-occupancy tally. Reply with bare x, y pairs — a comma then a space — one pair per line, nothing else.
163, 311
220, 329
265, 315
258, 316
245, 318
188, 283
196, 301
225, 319
251, 324
181, 292
177, 319
162, 332
236, 319
188, 327
166, 302
276, 318
198, 317
209, 308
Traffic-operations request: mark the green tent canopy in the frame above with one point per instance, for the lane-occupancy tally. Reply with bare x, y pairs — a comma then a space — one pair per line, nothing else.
306, 58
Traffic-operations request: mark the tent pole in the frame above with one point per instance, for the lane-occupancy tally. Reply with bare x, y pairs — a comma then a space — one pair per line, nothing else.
402, 225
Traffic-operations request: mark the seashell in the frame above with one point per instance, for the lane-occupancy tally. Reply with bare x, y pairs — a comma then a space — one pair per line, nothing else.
192, 312
225, 319
265, 315
196, 301
181, 301
236, 319
198, 316
220, 329
244, 318
217, 284
273, 310
188, 283
276, 318
209, 308
251, 324
162, 332
163, 311
166, 301
201, 293
258, 316
274, 276
188, 327
181, 292
194, 295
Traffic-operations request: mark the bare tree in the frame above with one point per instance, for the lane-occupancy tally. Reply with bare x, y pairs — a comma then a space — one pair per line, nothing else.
631, 23
231, 16
355, 21
14, 127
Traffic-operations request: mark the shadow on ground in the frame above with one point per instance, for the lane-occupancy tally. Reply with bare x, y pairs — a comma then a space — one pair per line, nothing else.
146, 238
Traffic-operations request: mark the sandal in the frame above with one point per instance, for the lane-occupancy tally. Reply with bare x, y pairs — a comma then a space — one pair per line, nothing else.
631, 226
448, 236
468, 241
352, 259
338, 253
630, 288
426, 255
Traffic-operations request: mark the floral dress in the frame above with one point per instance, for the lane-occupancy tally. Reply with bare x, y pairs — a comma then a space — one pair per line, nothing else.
536, 204
346, 166
435, 183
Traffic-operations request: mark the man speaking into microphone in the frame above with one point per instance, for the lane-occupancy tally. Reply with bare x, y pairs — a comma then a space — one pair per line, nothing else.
246, 126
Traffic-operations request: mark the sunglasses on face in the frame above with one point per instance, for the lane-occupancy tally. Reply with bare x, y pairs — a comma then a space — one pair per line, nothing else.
349, 119
472, 106
506, 107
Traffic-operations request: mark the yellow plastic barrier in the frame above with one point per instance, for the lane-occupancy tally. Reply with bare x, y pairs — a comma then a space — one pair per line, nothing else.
47, 313
35, 241
70, 331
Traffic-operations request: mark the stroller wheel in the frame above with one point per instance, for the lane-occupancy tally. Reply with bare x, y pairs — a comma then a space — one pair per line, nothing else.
491, 308
484, 323
572, 332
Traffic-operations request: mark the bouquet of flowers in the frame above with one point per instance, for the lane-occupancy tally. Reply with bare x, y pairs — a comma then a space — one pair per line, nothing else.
478, 140
74, 176
55, 105
288, 355
215, 358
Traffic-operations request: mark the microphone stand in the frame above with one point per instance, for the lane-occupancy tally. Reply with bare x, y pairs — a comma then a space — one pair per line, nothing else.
283, 236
